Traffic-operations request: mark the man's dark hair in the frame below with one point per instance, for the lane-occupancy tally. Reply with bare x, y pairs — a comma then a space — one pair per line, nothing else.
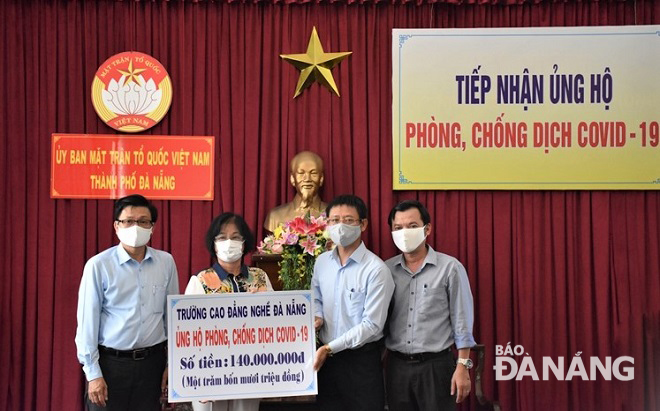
407, 205
348, 200
216, 226
135, 200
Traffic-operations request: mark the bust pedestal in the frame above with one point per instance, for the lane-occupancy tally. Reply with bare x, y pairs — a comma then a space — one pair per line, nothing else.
270, 264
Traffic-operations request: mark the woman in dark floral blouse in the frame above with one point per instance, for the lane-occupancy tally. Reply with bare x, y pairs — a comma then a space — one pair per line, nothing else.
228, 239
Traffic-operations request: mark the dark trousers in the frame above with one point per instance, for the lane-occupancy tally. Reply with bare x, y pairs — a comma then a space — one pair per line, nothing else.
352, 380
420, 385
132, 384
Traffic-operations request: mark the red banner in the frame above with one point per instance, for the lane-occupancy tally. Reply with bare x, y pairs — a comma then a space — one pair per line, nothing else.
112, 166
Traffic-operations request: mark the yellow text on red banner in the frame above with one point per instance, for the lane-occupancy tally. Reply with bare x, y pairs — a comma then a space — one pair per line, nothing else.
112, 166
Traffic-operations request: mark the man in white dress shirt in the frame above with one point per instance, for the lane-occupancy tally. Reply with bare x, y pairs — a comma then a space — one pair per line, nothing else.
122, 336
352, 292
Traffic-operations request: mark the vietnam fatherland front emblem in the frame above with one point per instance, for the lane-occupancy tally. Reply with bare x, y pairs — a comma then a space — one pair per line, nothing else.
131, 91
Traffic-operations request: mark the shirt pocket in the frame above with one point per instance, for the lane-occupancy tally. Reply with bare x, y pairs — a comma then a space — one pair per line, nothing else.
354, 301
434, 302
158, 297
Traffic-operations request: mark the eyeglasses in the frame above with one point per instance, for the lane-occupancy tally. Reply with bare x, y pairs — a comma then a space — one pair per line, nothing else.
222, 237
345, 220
129, 222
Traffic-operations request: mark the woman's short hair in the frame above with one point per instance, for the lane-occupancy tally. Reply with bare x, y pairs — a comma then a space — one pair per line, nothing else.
216, 226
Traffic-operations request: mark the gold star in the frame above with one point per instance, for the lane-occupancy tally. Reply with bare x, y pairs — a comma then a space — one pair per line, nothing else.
132, 75
315, 65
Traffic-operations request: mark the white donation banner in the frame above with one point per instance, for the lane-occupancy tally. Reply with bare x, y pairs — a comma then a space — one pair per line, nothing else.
247, 345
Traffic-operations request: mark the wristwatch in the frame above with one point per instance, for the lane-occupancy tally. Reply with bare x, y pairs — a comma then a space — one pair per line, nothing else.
328, 350
466, 362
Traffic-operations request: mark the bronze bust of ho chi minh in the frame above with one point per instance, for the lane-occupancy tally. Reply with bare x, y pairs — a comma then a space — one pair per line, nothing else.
306, 175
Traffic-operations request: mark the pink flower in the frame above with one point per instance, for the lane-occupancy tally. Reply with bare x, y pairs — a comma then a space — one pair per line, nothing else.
266, 244
302, 227
309, 244
290, 238
277, 248
319, 221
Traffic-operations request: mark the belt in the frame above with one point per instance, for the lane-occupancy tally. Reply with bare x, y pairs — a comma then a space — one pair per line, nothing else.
367, 347
138, 354
420, 357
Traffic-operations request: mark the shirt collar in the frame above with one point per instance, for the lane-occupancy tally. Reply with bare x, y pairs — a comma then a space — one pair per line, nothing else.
357, 255
224, 274
431, 258
123, 255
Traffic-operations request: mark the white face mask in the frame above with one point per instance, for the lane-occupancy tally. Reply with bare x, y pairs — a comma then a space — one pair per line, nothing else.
344, 234
408, 239
228, 250
134, 236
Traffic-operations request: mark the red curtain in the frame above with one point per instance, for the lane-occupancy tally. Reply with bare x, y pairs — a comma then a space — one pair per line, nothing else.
557, 272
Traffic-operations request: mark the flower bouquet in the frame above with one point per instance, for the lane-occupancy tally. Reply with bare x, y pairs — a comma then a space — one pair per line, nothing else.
299, 241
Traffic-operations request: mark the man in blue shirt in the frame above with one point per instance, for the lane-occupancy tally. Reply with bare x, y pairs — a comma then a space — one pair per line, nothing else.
431, 312
121, 335
352, 292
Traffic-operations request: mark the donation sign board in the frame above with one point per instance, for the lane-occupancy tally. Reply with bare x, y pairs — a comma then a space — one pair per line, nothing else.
241, 345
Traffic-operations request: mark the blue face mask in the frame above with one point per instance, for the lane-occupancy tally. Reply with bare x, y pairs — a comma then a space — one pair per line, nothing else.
344, 234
